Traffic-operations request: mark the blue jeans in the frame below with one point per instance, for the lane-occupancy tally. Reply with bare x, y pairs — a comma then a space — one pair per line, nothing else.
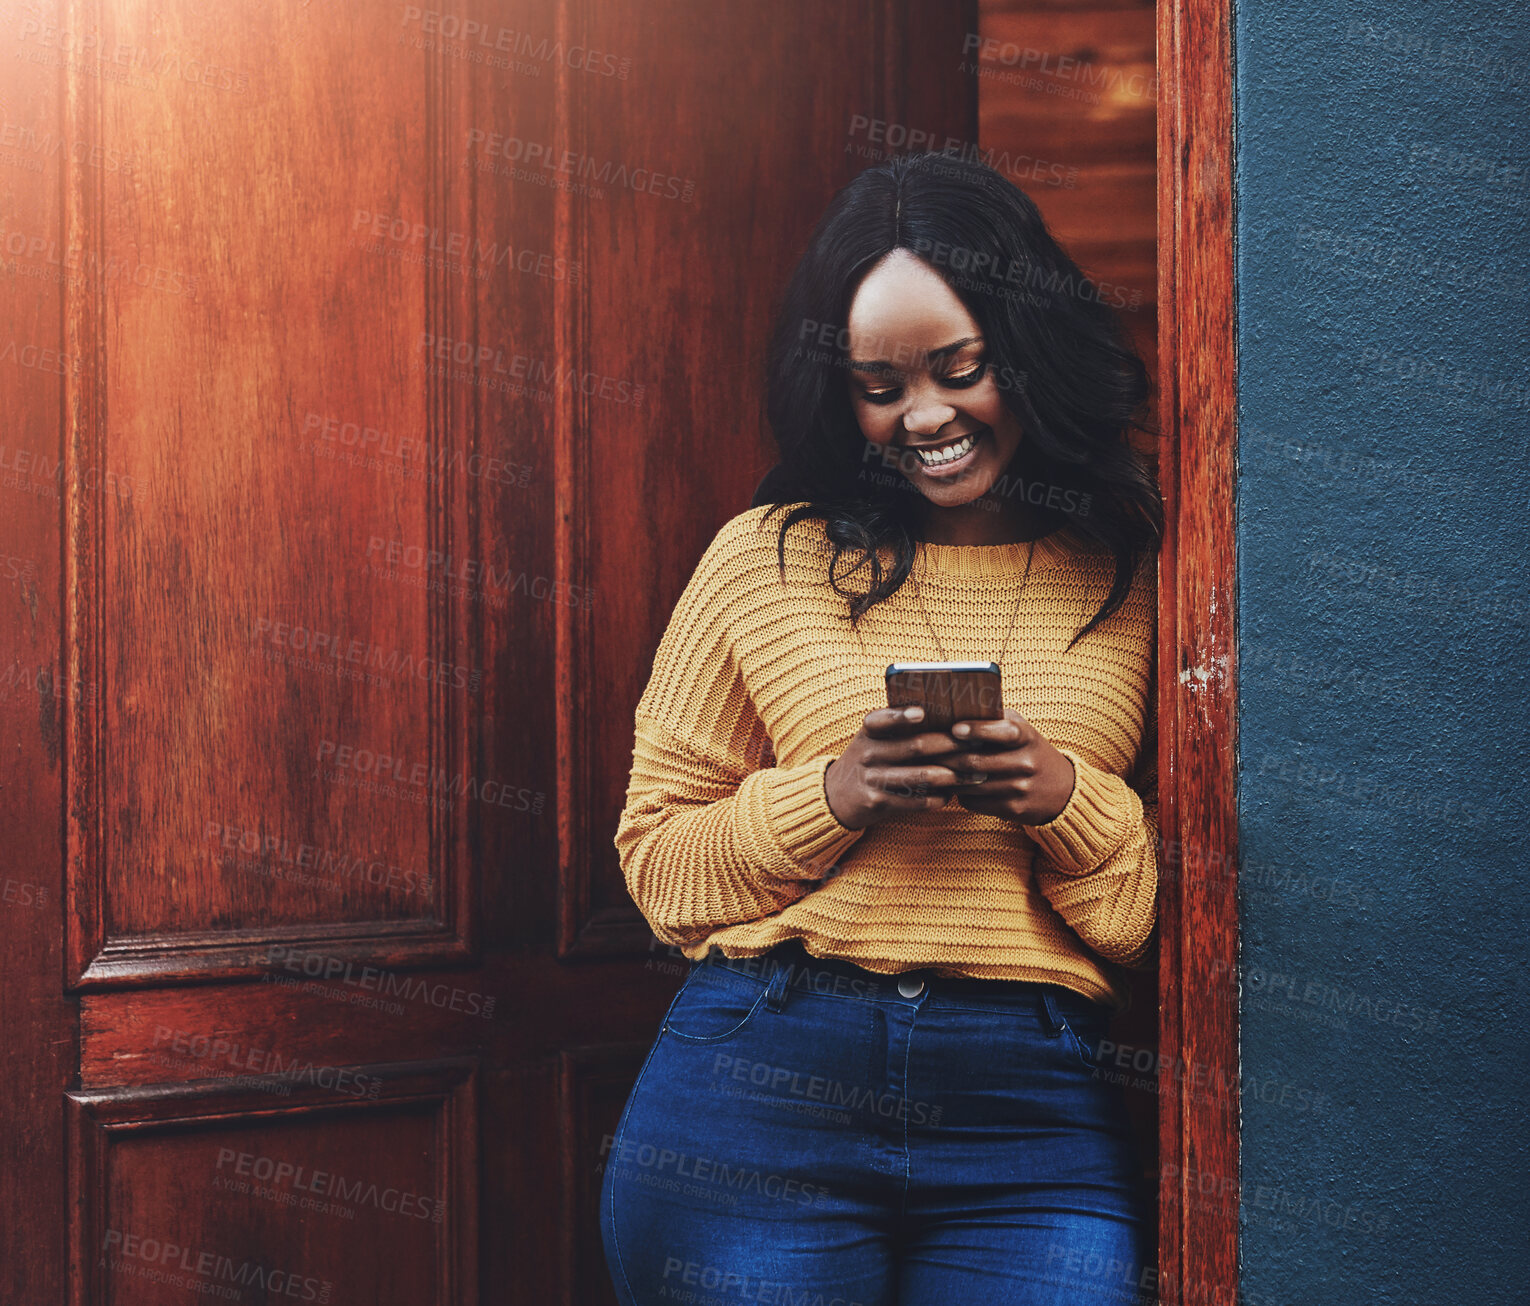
808, 1133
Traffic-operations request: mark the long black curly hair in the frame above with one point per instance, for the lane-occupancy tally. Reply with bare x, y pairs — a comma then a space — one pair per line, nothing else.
1074, 382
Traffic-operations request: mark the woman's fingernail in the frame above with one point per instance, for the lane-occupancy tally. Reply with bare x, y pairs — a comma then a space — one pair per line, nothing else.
913, 713
961, 731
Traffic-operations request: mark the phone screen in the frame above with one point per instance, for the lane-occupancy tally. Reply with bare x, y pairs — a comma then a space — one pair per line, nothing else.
948, 691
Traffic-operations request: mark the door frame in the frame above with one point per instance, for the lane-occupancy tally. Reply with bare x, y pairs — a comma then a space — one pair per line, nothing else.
1197, 685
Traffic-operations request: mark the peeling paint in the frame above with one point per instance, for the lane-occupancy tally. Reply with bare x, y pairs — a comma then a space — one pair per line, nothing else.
1213, 672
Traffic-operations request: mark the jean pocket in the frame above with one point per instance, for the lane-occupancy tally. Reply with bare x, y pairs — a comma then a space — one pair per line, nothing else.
714, 1004
1083, 1033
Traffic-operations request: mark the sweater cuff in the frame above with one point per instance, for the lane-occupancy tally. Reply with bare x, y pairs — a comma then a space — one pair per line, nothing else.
790, 829
1101, 814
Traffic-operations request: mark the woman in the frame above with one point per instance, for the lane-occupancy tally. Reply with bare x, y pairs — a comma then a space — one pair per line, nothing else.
877, 1085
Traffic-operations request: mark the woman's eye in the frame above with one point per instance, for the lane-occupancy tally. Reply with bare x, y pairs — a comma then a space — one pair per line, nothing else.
955, 381
971, 376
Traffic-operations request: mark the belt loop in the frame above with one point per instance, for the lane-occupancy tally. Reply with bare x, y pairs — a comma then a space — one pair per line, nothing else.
775, 993
1053, 1012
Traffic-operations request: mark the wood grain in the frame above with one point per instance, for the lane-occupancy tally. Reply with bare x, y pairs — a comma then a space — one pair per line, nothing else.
1198, 1247
1068, 100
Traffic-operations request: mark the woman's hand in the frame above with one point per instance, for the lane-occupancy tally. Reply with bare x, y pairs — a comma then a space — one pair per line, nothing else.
889, 768
1026, 779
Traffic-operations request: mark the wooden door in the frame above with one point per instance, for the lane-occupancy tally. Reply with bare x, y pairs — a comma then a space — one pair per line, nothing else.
377, 373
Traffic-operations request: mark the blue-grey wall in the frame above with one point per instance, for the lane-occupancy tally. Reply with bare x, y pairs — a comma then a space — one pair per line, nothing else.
1382, 204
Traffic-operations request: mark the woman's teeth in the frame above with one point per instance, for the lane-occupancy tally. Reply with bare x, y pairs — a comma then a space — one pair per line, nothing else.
946, 453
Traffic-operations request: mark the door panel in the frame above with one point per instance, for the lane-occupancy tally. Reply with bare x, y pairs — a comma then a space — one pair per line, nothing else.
275, 1187
278, 750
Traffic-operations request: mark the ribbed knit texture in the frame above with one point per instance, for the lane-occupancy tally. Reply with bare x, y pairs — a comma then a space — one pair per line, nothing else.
727, 837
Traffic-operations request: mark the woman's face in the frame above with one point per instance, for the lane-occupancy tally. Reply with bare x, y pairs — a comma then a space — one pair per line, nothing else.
919, 387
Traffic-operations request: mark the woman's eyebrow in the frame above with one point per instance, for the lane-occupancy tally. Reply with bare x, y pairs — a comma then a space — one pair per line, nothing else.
882, 365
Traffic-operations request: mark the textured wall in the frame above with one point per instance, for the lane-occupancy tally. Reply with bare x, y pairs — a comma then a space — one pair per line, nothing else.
1383, 198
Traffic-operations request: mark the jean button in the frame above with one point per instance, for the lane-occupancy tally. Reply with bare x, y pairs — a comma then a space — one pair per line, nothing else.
910, 987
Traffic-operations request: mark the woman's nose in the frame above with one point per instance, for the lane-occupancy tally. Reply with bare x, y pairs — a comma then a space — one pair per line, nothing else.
928, 418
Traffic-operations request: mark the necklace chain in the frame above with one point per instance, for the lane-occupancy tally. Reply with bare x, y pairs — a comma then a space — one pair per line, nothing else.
1014, 614
919, 598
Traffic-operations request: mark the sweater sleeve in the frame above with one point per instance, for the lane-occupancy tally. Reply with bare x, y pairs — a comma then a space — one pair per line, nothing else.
1097, 860
708, 836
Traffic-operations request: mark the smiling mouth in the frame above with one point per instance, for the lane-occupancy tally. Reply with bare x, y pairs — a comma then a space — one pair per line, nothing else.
943, 457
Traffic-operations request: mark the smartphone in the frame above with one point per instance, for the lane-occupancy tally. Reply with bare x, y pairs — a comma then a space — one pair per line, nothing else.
948, 691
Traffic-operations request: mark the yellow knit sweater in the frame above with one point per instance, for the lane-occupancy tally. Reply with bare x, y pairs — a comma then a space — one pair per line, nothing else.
727, 838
